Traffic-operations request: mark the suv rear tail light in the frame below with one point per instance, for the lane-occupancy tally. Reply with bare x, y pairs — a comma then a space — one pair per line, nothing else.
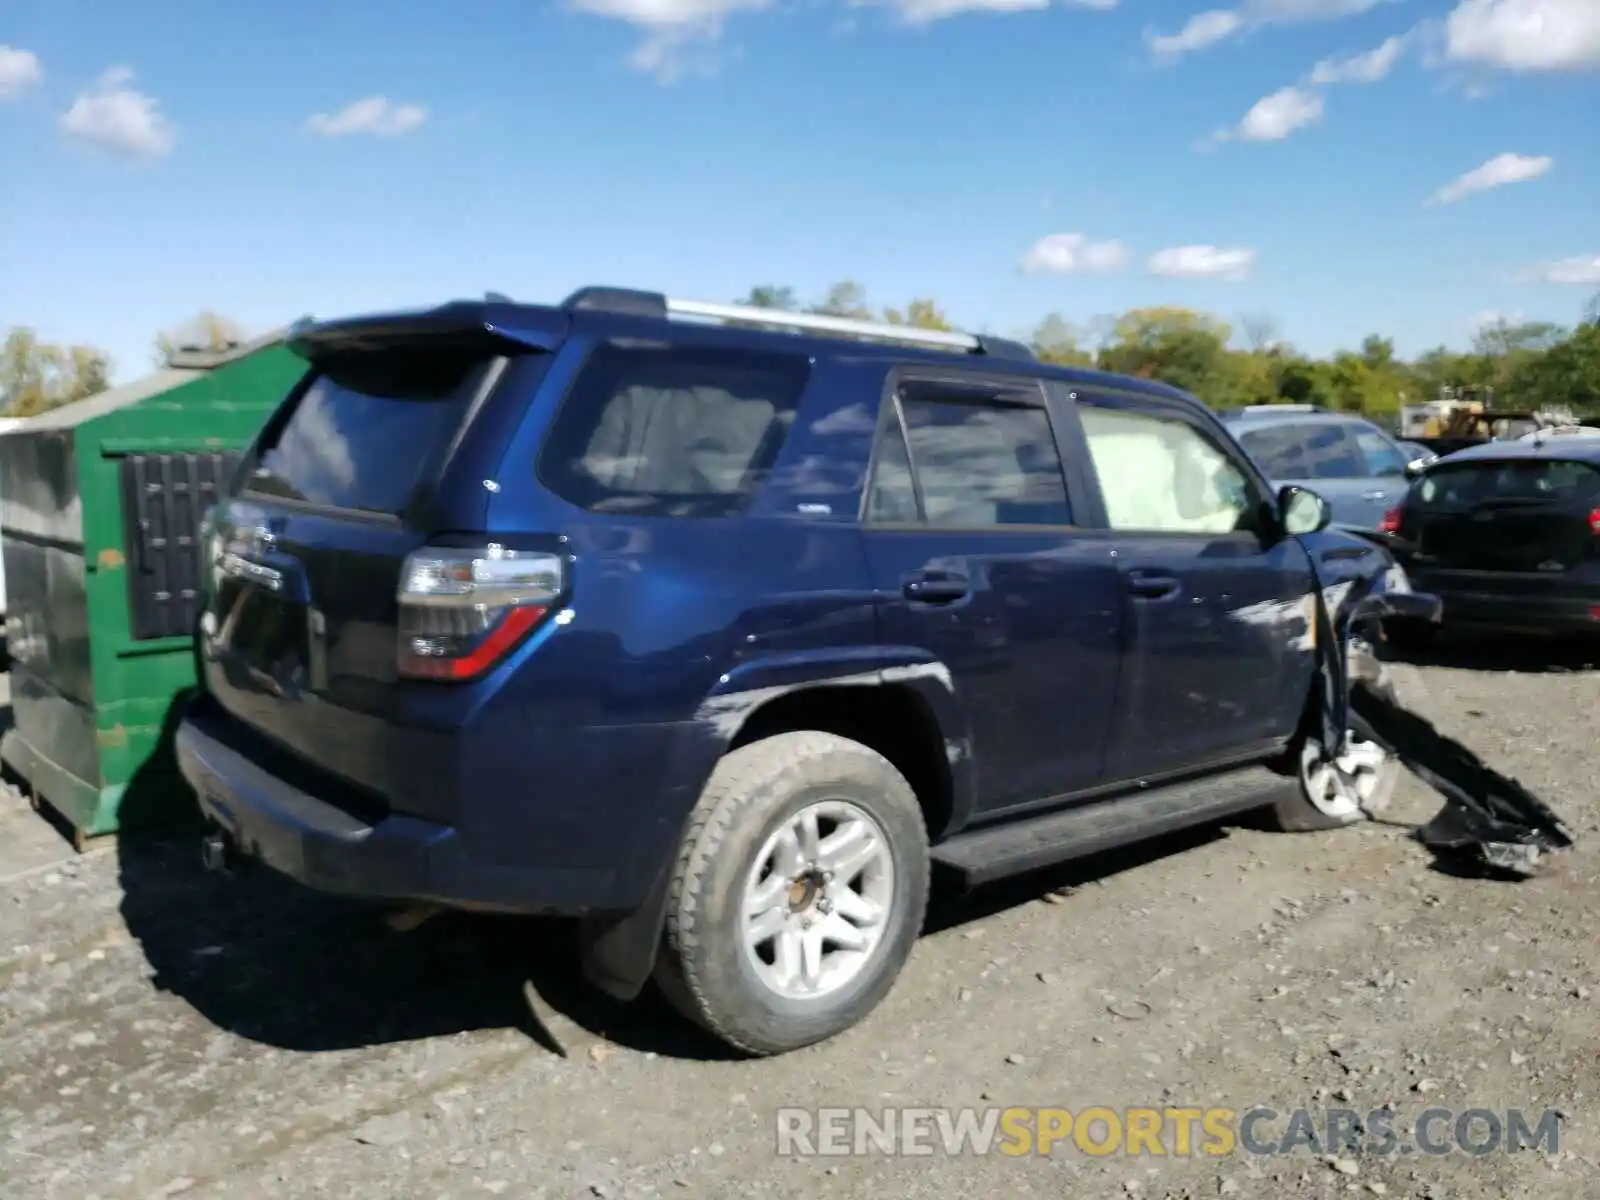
1594, 521
462, 611
1390, 522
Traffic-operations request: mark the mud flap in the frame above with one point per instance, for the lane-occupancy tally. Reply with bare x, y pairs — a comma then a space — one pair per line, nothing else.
1487, 816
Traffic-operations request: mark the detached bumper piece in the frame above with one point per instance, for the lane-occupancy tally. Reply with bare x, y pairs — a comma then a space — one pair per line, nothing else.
1486, 815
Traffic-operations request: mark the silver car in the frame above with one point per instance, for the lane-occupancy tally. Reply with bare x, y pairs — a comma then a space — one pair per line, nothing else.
1360, 470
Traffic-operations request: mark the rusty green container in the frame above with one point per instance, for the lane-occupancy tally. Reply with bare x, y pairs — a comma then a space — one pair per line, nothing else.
100, 503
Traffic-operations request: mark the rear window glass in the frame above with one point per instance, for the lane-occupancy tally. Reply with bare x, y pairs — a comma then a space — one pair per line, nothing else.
1278, 450
1332, 452
983, 465
1545, 481
672, 431
363, 433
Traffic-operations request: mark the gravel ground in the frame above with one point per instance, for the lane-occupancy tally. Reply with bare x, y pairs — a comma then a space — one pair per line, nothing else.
163, 1032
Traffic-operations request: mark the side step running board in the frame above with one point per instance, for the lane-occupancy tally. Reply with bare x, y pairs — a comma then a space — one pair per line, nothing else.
1000, 851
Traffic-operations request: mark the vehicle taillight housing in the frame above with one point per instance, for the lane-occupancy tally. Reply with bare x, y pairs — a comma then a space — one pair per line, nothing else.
1390, 522
463, 611
1594, 521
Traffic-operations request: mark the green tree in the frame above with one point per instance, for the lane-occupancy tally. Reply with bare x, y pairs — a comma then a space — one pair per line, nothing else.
1567, 375
203, 331
1056, 341
36, 376
844, 299
769, 295
1527, 364
919, 314
1180, 346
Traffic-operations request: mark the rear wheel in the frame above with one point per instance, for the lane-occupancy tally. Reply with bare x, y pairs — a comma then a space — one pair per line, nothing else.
798, 894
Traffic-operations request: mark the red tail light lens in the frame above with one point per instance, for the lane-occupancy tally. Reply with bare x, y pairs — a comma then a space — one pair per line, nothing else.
1594, 521
462, 611
1390, 522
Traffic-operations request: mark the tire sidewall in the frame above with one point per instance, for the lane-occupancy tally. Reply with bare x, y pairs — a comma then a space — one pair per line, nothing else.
717, 965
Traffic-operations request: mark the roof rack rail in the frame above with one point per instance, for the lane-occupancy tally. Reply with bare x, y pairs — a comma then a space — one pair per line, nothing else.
1283, 408
654, 304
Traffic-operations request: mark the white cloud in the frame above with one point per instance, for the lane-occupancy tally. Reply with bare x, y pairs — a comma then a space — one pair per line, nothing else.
1232, 264
376, 116
113, 117
1072, 254
1497, 172
1370, 67
19, 71
677, 33
1525, 35
1207, 28
925, 12
1583, 269
1273, 118
1200, 31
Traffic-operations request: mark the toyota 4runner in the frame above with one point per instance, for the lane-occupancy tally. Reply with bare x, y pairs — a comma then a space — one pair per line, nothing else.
723, 628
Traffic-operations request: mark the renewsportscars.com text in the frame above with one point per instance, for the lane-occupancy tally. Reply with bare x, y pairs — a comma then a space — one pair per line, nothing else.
1168, 1131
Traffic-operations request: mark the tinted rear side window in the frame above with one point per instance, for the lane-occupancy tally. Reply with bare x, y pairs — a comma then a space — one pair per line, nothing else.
672, 431
983, 464
362, 435
1332, 452
1279, 451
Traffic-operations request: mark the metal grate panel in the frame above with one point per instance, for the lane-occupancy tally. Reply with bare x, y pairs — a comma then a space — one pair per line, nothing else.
164, 496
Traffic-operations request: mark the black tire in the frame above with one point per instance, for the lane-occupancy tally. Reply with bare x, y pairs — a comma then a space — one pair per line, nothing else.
704, 969
1298, 812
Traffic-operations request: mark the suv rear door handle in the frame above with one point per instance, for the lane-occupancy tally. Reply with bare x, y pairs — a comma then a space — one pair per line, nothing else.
935, 587
1152, 585
1374, 495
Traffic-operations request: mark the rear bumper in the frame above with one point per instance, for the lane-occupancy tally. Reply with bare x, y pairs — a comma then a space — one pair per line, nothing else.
392, 858
1512, 602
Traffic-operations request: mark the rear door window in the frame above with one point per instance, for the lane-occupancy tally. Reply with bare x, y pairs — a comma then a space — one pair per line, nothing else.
1278, 450
974, 464
672, 430
1382, 456
363, 434
1332, 452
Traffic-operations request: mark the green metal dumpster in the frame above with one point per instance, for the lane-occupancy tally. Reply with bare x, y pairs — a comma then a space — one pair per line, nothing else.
100, 503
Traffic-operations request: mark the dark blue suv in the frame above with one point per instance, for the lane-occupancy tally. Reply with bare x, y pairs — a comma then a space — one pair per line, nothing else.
723, 628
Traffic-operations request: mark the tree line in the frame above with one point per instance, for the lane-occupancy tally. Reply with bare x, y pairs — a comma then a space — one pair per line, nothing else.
1524, 365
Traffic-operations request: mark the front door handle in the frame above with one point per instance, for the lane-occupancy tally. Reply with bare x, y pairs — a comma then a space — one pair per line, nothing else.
1152, 585
1374, 495
935, 587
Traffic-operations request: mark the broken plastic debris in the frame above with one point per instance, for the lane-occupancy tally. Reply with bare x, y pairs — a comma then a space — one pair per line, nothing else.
1486, 814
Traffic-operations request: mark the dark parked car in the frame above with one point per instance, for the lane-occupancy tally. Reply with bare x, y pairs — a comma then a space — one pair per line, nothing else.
1356, 467
721, 628
1506, 535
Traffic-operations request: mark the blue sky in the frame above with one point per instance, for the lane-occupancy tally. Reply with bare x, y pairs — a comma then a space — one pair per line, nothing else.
1008, 157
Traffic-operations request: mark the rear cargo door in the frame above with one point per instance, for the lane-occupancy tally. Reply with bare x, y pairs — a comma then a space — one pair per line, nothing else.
301, 623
